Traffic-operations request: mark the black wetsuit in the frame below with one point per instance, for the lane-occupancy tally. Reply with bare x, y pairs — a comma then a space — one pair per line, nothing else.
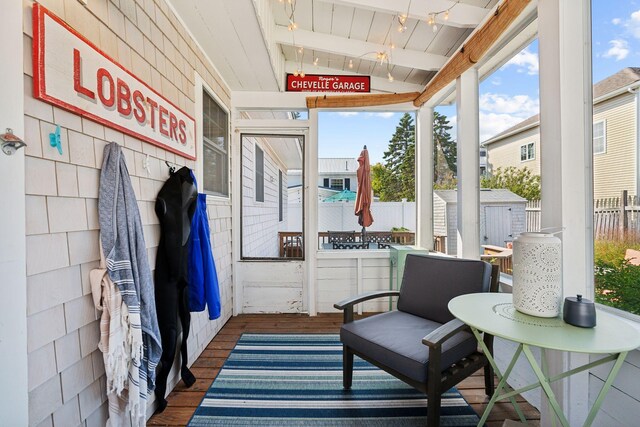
175, 206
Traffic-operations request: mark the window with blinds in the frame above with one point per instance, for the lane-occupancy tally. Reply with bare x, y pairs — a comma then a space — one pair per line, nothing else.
215, 122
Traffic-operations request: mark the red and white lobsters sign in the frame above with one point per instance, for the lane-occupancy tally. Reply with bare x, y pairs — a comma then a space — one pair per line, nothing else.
72, 73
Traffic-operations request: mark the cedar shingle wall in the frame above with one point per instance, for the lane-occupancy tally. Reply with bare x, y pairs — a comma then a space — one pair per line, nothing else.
66, 372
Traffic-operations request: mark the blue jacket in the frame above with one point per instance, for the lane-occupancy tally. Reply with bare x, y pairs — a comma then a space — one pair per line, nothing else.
203, 278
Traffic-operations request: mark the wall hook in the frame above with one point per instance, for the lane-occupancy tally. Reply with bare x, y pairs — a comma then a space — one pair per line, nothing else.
172, 168
54, 139
146, 166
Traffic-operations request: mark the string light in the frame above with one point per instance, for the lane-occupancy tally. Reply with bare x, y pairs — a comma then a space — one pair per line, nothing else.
433, 16
383, 57
402, 19
290, 10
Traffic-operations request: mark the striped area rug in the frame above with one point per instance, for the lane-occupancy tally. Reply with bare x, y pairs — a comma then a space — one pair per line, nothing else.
296, 380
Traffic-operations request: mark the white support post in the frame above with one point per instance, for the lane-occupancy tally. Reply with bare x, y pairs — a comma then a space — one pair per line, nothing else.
424, 178
310, 183
236, 203
566, 120
468, 208
13, 305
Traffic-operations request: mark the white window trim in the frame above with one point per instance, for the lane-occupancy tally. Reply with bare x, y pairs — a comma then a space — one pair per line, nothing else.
201, 85
604, 135
520, 152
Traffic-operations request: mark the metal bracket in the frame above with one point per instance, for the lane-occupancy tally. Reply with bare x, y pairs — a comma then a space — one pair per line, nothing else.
10, 142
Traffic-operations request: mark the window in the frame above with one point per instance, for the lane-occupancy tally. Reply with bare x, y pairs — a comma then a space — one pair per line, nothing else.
336, 184
259, 175
215, 147
280, 197
599, 138
528, 152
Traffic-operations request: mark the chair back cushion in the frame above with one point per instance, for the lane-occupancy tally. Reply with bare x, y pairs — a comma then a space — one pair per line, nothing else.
430, 282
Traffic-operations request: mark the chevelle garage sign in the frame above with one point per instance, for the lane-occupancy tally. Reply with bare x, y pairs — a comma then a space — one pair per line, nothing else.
72, 73
326, 83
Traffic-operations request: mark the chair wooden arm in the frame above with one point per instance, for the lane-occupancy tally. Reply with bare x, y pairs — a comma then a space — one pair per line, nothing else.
347, 304
436, 338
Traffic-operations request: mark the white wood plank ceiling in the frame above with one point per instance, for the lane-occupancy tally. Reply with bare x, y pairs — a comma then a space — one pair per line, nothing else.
252, 48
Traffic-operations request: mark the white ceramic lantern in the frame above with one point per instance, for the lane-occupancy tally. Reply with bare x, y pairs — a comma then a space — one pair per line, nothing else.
537, 274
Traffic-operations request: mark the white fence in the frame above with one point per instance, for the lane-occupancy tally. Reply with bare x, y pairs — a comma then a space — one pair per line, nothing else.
339, 216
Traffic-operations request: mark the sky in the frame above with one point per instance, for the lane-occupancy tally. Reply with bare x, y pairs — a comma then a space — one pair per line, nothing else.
507, 97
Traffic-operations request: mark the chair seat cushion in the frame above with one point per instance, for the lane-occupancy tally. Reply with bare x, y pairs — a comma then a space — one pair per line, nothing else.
394, 339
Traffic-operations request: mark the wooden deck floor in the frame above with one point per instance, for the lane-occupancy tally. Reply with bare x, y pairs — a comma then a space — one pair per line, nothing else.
182, 402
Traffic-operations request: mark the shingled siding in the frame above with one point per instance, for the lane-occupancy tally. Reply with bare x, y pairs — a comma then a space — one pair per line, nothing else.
66, 371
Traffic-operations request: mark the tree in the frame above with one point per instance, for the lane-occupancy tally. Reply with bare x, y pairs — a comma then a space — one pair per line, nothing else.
520, 181
382, 183
395, 179
399, 163
444, 148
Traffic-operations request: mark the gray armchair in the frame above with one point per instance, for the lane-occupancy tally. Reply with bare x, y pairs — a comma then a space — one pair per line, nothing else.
421, 343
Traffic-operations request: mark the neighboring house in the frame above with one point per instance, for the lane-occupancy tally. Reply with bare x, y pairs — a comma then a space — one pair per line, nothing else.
615, 137
333, 173
483, 161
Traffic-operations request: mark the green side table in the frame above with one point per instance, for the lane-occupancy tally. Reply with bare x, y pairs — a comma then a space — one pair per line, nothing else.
495, 314
397, 257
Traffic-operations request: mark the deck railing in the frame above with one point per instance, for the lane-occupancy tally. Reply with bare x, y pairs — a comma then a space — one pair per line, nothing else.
290, 242
380, 237
500, 256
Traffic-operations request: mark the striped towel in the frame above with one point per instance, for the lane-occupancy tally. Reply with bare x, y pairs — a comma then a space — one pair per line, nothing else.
122, 350
122, 240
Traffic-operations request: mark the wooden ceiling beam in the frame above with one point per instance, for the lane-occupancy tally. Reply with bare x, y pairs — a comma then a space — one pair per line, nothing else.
475, 48
351, 101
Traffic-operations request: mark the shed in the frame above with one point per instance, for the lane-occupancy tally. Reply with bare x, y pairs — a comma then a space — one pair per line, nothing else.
502, 217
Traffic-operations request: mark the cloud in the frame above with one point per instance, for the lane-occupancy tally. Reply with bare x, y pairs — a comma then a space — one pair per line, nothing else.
347, 113
616, 21
492, 124
499, 112
496, 81
518, 105
525, 60
633, 24
619, 49
385, 115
